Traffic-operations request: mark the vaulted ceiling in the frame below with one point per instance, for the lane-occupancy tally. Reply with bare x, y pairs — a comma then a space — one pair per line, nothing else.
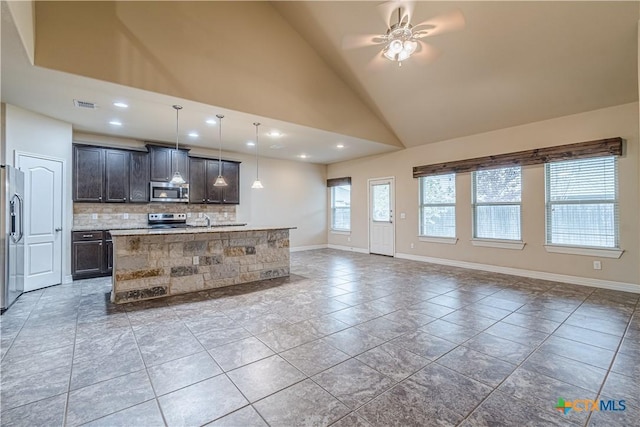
511, 63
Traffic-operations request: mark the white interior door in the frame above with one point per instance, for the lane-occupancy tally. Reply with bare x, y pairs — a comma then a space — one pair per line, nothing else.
43, 221
381, 226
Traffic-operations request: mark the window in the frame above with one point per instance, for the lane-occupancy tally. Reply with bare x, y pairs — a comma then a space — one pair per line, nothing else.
582, 202
438, 205
496, 203
341, 208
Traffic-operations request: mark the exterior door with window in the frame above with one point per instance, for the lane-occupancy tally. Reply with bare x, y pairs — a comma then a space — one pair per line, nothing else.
381, 218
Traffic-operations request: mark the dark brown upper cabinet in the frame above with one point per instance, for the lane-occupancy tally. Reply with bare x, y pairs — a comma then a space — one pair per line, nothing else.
138, 177
110, 175
197, 180
88, 173
166, 161
231, 173
116, 174
203, 173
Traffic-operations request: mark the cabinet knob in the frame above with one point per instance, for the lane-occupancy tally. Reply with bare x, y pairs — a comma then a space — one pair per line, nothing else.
208, 200
100, 198
124, 199
203, 200
100, 244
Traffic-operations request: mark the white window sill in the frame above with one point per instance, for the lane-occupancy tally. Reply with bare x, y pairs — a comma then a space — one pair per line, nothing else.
517, 245
584, 250
445, 240
342, 232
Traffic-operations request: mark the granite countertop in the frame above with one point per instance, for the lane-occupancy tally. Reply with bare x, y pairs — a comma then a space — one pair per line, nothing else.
142, 227
192, 230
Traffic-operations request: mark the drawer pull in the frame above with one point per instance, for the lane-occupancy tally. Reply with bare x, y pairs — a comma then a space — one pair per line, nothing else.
87, 235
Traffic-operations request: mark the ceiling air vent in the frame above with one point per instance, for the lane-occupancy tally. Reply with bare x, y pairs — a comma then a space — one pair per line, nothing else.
84, 104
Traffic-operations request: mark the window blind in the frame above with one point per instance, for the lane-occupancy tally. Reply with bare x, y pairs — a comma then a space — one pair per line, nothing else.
438, 205
582, 202
496, 203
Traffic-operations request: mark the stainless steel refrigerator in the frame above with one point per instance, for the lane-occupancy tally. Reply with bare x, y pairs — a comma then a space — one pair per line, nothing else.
11, 235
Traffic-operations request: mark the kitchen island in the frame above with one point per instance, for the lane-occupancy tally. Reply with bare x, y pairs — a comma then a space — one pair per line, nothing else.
154, 263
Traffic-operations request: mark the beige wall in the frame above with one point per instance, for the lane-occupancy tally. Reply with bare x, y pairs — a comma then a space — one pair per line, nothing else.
610, 122
294, 193
23, 14
33, 133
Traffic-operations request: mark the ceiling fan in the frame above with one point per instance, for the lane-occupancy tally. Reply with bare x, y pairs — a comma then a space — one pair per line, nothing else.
402, 39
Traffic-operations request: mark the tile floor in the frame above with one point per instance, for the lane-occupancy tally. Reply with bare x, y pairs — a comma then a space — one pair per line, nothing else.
348, 340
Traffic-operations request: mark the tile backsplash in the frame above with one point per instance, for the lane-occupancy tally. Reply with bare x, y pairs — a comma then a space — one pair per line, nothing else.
112, 215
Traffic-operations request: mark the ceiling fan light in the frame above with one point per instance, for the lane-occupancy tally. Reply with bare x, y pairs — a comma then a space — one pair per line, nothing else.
257, 184
395, 46
390, 56
410, 46
220, 182
403, 55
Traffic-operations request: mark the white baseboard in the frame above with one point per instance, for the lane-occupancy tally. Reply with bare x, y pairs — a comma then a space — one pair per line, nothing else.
554, 277
307, 248
348, 248
67, 279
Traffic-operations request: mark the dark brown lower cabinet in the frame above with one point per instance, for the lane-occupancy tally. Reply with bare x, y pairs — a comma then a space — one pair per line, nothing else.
92, 254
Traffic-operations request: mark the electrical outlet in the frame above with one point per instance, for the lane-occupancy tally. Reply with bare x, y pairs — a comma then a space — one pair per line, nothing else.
412, 246
597, 265
94, 216
196, 260
403, 216
188, 214
125, 216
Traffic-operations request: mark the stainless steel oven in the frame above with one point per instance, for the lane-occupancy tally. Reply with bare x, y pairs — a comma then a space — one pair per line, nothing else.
168, 192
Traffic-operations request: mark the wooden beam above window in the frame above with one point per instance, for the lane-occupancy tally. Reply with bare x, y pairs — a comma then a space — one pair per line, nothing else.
581, 150
335, 182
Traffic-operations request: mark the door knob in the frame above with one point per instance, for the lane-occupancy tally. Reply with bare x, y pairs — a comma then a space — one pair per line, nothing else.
58, 229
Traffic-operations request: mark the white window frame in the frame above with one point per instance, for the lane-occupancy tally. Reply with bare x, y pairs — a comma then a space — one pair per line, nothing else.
502, 243
422, 234
333, 210
599, 251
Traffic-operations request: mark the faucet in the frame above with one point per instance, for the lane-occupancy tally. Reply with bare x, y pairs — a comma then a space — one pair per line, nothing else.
206, 217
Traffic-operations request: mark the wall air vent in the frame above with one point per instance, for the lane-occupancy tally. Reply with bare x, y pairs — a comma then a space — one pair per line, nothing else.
84, 104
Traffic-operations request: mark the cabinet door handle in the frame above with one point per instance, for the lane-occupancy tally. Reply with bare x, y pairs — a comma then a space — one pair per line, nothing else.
87, 235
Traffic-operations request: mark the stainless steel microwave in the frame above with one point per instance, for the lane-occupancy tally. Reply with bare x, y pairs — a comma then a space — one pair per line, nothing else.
168, 192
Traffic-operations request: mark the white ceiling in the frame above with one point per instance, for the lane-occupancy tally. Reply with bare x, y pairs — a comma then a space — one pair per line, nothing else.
513, 63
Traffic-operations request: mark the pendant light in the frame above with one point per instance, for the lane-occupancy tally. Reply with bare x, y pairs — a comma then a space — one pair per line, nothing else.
257, 184
177, 178
220, 181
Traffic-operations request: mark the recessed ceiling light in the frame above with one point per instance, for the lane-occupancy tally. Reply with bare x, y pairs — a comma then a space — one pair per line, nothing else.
251, 143
210, 122
115, 123
303, 156
193, 134
274, 134
340, 146
120, 105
